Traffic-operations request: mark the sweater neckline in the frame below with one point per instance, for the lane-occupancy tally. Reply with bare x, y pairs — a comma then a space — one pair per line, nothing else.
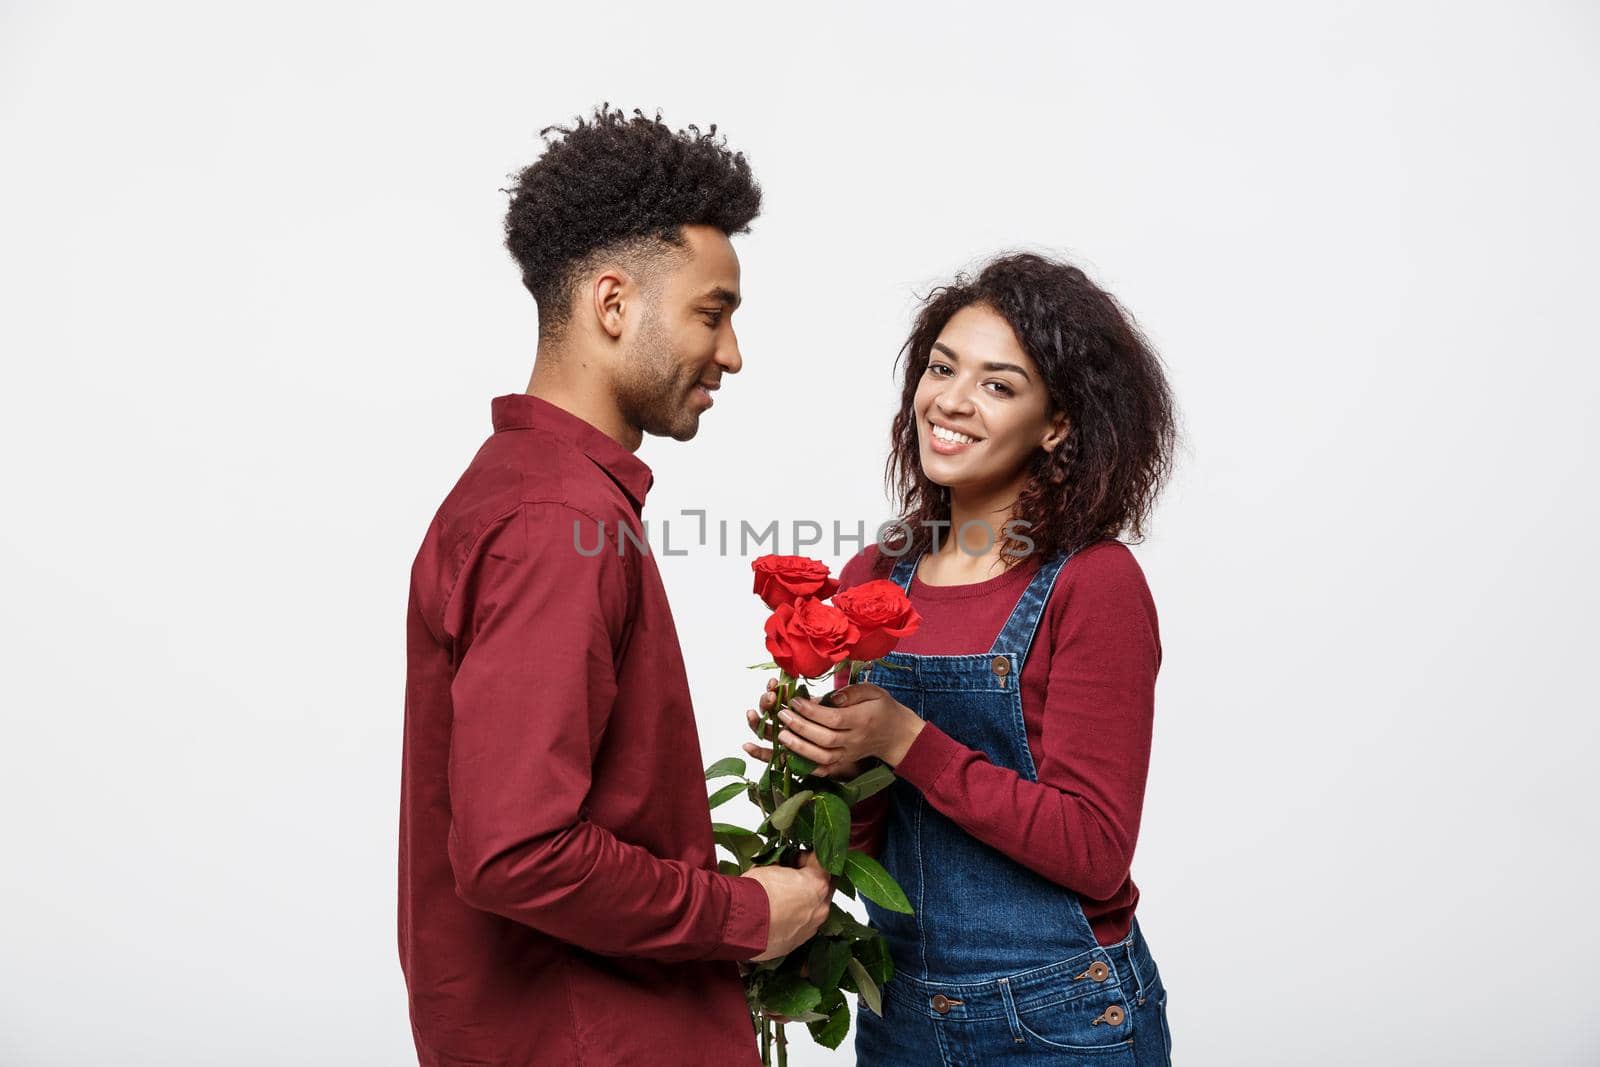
1017, 575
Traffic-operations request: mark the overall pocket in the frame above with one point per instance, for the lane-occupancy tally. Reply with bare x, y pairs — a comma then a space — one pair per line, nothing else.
1099, 1024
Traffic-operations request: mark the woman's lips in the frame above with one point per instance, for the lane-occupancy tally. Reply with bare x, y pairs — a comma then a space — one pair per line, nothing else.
948, 448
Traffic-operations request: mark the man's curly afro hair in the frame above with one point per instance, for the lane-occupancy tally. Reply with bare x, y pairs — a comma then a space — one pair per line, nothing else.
613, 184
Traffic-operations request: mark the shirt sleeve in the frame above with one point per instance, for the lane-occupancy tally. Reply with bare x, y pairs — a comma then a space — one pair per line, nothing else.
532, 693
1077, 825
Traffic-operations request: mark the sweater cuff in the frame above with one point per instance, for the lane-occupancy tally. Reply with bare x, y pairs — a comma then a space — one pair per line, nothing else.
927, 757
745, 931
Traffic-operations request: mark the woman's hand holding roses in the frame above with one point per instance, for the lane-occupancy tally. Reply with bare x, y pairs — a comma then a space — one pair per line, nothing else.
858, 722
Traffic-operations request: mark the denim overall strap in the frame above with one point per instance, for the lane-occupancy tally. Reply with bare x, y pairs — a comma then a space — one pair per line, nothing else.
903, 571
1016, 637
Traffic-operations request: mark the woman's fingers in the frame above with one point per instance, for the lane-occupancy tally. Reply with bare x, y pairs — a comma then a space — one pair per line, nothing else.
808, 738
811, 731
841, 771
758, 725
814, 753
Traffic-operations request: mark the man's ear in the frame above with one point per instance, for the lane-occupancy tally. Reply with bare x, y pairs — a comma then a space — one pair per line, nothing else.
609, 294
1060, 427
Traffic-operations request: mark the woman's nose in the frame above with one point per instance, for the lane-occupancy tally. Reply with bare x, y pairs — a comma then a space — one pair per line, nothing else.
953, 400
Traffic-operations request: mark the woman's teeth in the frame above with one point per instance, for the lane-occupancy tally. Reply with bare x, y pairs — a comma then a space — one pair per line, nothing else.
951, 436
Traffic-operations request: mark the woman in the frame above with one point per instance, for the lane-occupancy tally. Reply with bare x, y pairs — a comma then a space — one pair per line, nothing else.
1035, 426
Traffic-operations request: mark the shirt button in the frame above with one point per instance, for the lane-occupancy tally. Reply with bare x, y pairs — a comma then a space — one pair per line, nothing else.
941, 1003
1001, 665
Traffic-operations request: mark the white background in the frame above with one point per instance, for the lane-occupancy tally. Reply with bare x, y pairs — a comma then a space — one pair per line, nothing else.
256, 308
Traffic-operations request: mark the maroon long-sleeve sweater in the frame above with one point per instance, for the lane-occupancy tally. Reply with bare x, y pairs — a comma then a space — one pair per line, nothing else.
1088, 701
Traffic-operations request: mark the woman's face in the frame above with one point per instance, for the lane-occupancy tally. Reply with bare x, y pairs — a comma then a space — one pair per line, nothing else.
982, 407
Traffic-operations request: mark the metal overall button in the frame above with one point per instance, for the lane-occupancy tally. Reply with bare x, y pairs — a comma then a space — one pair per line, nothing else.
1112, 1015
1001, 666
942, 1003
1097, 971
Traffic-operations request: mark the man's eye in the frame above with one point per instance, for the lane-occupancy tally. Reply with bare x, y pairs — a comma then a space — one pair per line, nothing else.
713, 318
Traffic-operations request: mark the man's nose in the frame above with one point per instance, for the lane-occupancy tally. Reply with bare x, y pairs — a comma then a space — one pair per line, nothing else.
728, 357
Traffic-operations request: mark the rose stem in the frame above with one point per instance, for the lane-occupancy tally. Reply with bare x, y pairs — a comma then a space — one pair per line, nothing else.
780, 754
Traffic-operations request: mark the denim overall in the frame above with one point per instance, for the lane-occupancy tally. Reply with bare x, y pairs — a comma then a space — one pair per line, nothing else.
997, 964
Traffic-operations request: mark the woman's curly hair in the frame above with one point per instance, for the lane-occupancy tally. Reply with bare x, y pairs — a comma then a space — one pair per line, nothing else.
613, 183
1099, 369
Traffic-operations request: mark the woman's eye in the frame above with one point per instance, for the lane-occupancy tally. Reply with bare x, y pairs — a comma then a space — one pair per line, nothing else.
1001, 388
935, 368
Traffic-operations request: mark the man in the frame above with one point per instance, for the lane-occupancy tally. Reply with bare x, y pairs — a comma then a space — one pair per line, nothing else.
559, 898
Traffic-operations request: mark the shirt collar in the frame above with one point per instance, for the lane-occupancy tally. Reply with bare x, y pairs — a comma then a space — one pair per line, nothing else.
523, 411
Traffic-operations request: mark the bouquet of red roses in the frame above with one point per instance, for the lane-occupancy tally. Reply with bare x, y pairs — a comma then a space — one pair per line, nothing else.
810, 639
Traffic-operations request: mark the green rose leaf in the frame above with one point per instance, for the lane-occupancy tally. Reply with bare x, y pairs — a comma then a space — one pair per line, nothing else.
784, 816
831, 832
803, 833
873, 953
791, 995
841, 923
727, 793
869, 782
866, 987
859, 931
736, 839
729, 767
831, 1033
827, 960
868, 875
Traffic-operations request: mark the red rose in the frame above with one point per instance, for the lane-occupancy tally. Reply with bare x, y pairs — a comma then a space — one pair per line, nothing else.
808, 637
785, 579
883, 614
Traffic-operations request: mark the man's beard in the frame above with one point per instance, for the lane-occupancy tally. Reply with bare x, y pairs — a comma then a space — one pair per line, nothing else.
655, 386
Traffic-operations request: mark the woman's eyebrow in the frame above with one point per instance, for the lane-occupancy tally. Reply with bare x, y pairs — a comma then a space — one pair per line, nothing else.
988, 365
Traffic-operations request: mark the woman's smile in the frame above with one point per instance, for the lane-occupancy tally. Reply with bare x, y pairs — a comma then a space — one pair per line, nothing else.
947, 441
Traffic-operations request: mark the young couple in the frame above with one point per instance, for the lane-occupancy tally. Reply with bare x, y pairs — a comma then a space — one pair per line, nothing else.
559, 898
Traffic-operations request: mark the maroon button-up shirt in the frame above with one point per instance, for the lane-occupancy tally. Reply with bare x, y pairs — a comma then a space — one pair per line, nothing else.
559, 898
